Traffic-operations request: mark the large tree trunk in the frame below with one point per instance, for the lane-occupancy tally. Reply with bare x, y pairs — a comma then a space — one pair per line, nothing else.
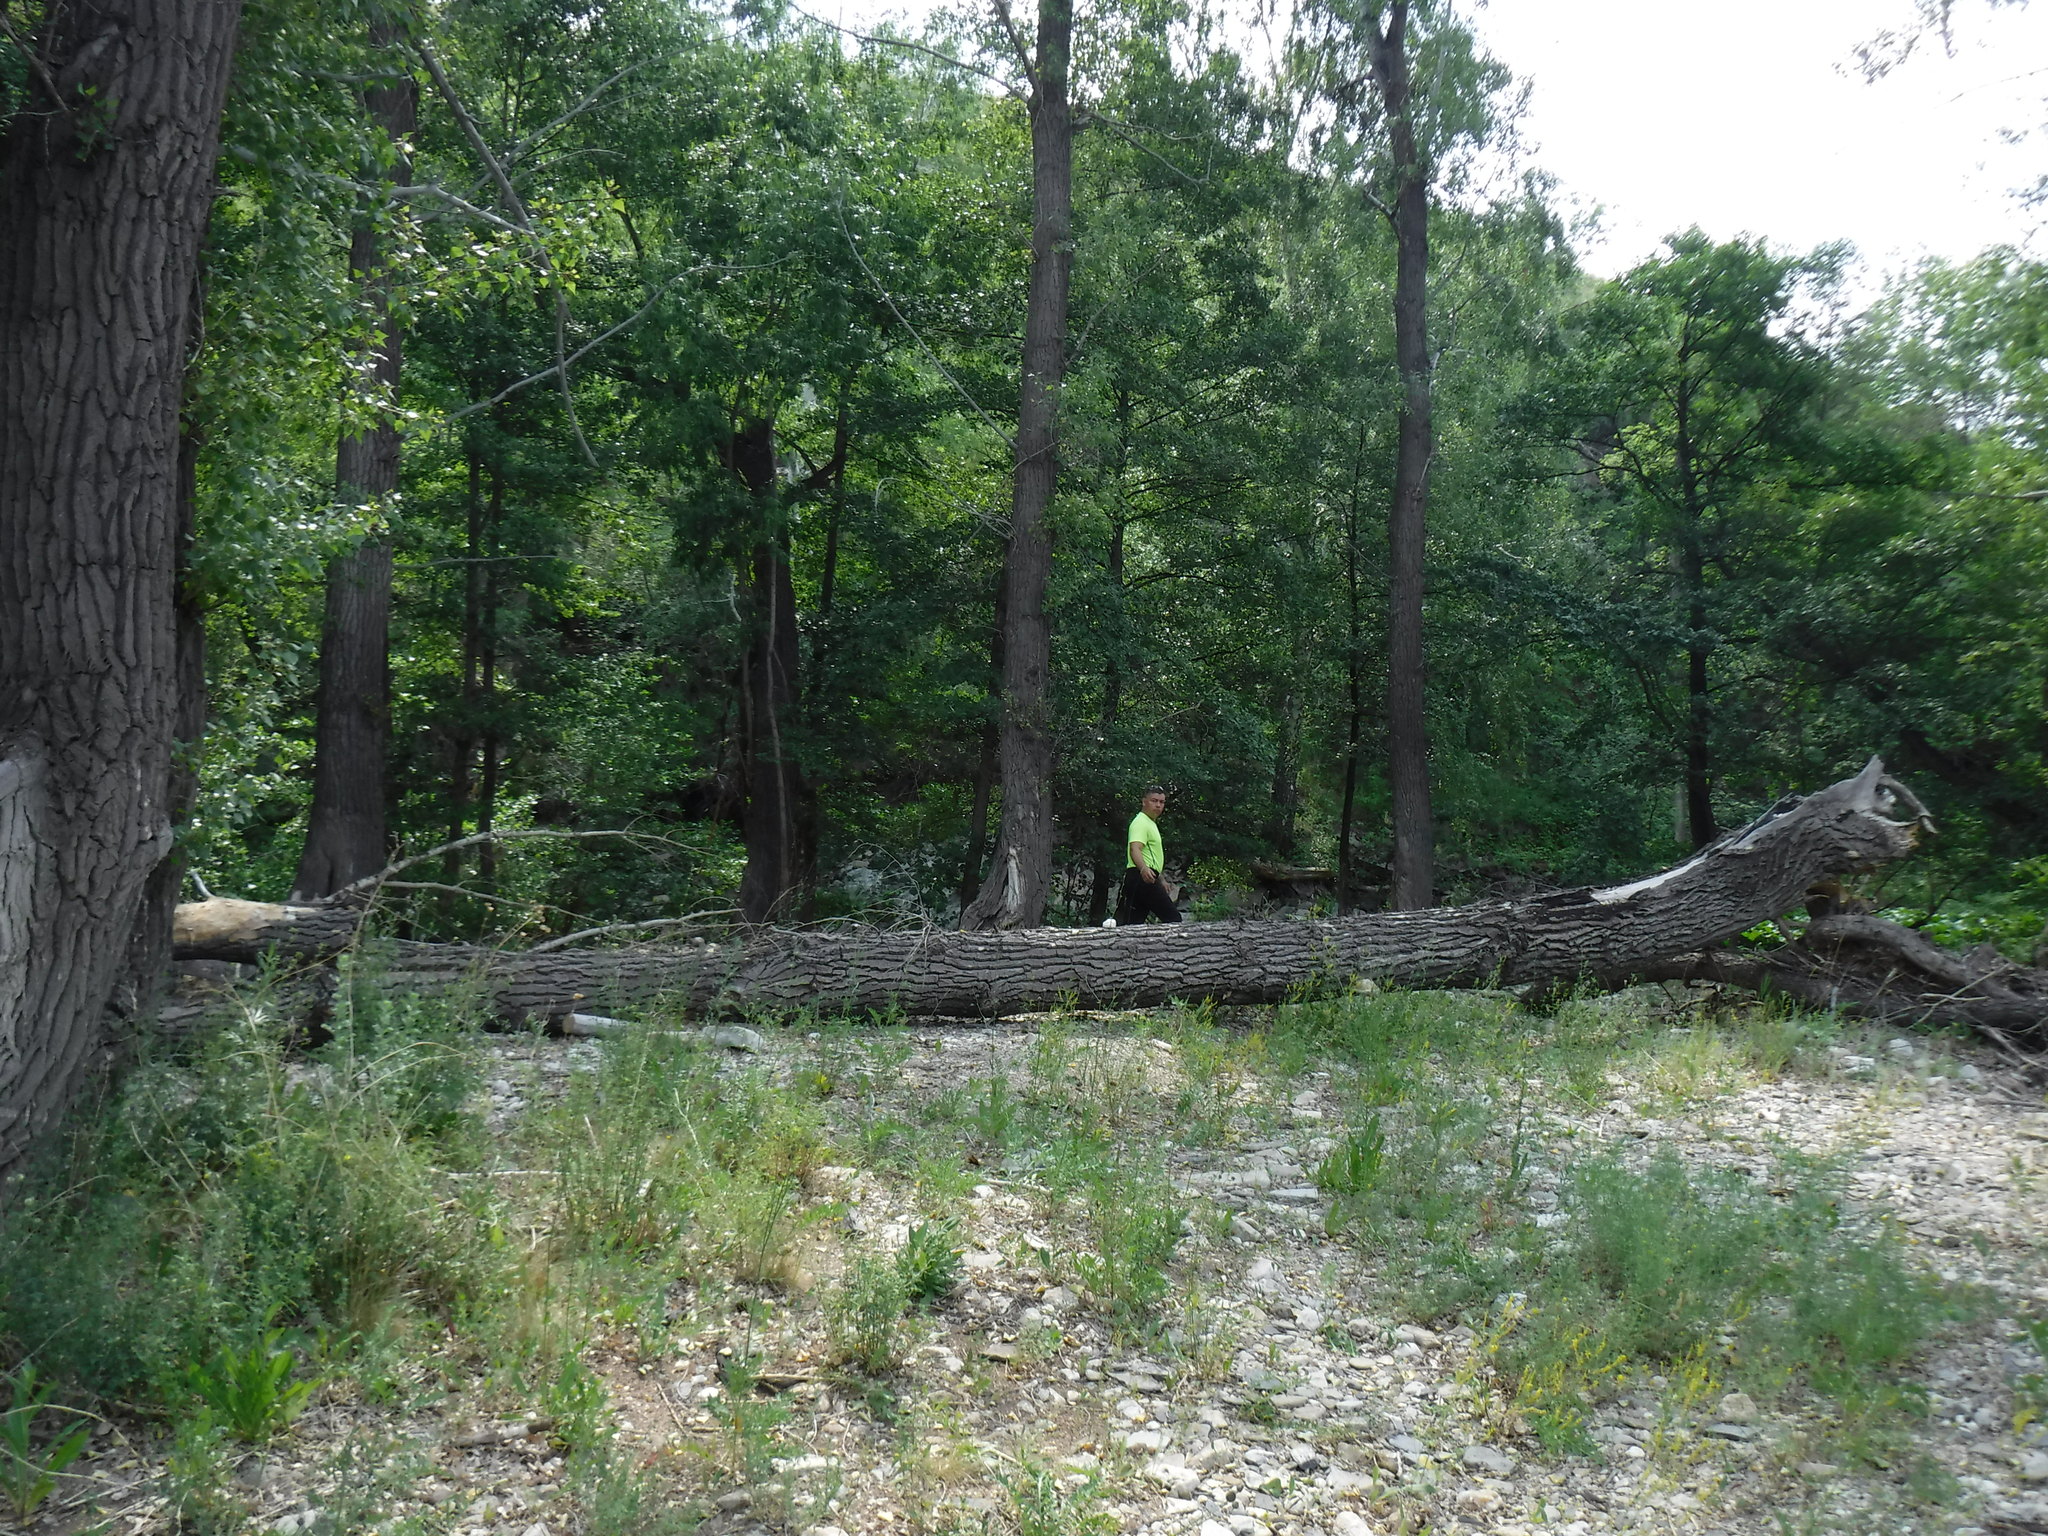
1763, 870
779, 820
352, 731
1013, 895
104, 197
1407, 723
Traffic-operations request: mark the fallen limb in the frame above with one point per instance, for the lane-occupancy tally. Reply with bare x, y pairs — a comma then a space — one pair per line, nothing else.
1878, 970
1760, 871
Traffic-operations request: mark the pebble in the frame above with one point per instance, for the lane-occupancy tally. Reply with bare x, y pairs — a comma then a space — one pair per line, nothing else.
2033, 1467
1408, 1445
304, 1520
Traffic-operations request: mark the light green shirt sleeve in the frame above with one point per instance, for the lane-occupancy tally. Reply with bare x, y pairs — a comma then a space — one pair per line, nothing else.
1145, 832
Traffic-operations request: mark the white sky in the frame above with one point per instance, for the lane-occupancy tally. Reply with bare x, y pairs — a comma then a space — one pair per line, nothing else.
1749, 117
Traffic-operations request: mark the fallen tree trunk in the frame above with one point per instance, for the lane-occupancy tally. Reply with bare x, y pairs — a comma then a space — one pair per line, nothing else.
1664, 925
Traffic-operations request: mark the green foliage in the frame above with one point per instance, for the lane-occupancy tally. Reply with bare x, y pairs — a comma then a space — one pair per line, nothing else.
2030, 1388
31, 1471
230, 1183
198, 1479
249, 1391
580, 1406
1353, 1166
1712, 1273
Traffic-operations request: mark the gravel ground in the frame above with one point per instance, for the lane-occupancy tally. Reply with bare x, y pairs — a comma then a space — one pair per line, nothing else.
1288, 1393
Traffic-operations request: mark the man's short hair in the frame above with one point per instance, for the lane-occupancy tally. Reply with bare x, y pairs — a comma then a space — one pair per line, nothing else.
1151, 790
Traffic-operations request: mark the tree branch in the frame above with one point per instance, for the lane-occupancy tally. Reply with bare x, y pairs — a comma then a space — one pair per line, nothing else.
517, 210
1017, 43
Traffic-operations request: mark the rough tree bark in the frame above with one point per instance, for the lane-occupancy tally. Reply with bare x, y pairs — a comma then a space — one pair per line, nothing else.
780, 821
104, 196
1407, 723
1013, 895
345, 829
1760, 871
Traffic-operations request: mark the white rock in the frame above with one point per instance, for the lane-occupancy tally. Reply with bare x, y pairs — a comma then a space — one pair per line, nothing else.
1739, 1408
1245, 1525
2033, 1467
735, 1037
304, 1520
587, 1026
1351, 1523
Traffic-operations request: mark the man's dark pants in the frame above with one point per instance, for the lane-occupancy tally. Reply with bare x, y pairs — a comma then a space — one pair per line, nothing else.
1141, 898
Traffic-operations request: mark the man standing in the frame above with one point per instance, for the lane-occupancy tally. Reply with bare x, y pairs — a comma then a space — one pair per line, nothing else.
1146, 893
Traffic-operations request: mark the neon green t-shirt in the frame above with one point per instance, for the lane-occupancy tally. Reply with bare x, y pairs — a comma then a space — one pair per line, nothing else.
1145, 832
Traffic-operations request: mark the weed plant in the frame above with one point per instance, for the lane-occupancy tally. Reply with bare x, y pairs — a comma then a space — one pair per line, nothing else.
929, 1262
250, 1391
1041, 1504
29, 1472
1134, 1227
864, 1318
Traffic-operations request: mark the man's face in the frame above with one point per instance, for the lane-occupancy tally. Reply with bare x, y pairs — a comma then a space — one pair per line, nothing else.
1155, 806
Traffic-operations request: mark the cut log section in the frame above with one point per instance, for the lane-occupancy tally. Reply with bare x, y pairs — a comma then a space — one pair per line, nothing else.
1665, 925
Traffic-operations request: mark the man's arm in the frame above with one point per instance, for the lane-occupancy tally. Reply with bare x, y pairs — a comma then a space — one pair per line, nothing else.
1138, 858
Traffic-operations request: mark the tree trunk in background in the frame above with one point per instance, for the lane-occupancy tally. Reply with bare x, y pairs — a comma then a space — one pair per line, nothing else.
1354, 662
1107, 873
345, 832
1281, 834
104, 198
150, 950
1407, 722
988, 764
1692, 572
780, 824
1014, 894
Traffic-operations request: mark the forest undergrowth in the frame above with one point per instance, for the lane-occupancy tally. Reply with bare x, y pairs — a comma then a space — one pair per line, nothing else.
416, 1278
